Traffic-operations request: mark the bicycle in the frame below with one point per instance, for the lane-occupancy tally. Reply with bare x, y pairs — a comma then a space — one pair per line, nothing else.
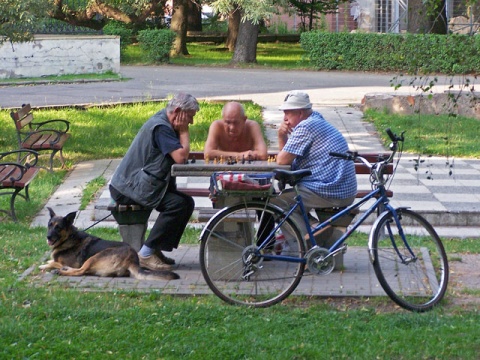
240, 265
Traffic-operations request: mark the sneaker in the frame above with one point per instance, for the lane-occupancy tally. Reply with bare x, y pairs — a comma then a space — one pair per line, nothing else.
164, 259
153, 262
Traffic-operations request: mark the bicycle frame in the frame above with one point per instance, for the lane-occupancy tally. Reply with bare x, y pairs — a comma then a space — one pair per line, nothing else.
406, 253
382, 201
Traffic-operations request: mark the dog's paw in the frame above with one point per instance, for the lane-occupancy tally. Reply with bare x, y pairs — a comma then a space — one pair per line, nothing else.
43, 267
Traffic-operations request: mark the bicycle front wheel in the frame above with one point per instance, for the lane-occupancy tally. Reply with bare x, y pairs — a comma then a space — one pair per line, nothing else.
414, 272
230, 261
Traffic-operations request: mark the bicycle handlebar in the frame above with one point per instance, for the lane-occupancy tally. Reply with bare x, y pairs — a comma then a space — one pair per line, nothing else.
350, 155
393, 136
347, 156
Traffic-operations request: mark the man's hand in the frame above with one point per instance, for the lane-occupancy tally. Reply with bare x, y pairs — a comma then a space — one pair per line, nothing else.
284, 130
181, 121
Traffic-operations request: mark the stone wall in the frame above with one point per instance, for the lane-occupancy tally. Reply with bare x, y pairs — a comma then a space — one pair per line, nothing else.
60, 55
466, 104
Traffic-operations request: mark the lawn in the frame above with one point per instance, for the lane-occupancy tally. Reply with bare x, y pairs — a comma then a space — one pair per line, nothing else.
50, 321
269, 55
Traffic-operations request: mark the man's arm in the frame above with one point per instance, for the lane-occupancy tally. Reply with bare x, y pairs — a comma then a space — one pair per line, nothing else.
259, 147
211, 144
180, 156
283, 157
180, 124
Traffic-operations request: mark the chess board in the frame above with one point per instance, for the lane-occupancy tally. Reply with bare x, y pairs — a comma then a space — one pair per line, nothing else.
204, 168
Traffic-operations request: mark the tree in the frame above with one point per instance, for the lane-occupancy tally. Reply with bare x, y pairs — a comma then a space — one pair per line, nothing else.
427, 16
246, 44
179, 25
252, 12
194, 22
17, 18
309, 10
97, 12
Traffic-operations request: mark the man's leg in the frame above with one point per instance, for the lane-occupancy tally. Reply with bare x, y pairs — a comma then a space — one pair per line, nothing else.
310, 201
174, 213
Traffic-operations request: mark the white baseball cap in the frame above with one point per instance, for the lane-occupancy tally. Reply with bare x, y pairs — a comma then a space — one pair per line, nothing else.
296, 100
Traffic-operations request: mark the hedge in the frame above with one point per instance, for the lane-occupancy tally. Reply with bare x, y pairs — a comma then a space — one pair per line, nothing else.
409, 53
156, 43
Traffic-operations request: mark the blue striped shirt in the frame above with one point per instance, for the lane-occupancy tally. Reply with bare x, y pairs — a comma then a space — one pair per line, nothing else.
312, 140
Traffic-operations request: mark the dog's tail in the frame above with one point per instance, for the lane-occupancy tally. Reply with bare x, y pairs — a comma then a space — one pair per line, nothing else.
143, 274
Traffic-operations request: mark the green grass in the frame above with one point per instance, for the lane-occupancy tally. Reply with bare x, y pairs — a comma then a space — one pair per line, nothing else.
61, 323
441, 135
269, 55
91, 190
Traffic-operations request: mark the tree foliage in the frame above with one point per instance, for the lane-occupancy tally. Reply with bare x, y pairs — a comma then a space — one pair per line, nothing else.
310, 10
254, 10
18, 16
96, 13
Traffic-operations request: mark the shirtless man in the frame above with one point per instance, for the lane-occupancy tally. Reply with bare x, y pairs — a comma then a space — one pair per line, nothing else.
235, 136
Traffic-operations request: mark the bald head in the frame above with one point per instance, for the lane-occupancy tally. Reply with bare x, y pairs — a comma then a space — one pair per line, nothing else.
233, 110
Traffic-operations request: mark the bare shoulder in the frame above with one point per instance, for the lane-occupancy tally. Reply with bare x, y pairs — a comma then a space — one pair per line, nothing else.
252, 125
216, 124
215, 127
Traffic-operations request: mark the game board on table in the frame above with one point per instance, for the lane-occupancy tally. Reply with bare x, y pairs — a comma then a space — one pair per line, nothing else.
210, 165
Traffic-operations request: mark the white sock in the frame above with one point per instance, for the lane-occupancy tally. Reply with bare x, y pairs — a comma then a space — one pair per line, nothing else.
146, 251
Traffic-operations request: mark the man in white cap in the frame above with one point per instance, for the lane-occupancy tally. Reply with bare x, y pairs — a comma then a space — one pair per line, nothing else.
305, 141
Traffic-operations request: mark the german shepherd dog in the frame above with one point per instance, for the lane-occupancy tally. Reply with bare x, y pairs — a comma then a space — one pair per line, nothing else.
76, 253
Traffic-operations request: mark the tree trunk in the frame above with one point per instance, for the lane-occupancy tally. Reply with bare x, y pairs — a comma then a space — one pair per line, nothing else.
194, 16
246, 45
420, 22
439, 21
179, 25
233, 25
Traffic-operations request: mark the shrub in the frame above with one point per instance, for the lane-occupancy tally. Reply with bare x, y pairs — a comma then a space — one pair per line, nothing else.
156, 43
119, 29
411, 53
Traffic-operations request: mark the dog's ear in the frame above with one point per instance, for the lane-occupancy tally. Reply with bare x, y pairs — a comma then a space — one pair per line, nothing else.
70, 218
52, 213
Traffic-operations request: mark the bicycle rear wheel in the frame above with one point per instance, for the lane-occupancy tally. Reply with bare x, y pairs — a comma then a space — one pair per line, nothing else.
417, 282
230, 266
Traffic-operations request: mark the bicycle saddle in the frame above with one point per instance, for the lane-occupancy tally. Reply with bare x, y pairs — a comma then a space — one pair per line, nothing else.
291, 177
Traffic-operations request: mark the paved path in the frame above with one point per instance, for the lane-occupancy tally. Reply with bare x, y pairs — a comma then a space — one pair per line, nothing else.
358, 278
446, 200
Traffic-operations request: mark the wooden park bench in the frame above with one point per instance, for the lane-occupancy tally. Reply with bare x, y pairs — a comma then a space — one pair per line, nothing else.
49, 135
17, 170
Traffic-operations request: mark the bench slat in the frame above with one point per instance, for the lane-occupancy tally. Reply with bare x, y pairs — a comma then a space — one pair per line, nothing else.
44, 142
